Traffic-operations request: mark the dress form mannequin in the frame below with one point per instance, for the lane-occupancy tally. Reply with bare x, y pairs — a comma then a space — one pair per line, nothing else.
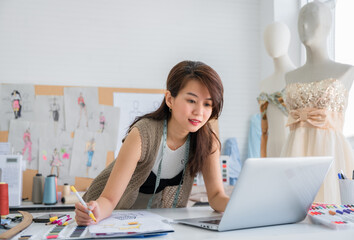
316, 96
314, 25
276, 41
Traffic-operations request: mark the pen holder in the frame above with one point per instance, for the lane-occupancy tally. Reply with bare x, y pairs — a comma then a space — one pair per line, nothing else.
50, 193
346, 187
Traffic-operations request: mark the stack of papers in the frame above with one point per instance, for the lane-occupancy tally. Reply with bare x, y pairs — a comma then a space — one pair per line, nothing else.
131, 223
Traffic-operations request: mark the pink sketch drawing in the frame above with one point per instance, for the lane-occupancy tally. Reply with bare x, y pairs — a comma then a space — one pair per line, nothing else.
82, 106
55, 163
65, 155
28, 145
16, 103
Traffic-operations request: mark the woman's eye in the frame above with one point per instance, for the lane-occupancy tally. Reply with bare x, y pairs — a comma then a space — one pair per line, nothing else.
191, 101
207, 104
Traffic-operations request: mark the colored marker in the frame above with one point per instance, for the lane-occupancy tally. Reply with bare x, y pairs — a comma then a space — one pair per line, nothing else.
51, 220
342, 173
83, 203
61, 219
68, 222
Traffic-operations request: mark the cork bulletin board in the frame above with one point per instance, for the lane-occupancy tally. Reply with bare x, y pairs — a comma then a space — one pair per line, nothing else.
105, 95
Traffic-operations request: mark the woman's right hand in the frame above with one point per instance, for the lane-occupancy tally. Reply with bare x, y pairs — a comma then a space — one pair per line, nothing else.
82, 217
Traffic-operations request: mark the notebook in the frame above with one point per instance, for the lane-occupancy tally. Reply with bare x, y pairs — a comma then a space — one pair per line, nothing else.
269, 191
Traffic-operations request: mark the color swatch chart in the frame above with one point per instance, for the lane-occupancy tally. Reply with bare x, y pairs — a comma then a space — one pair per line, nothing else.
332, 215
66, 232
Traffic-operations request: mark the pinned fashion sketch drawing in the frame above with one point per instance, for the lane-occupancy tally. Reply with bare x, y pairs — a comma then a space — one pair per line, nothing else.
83, 109
56, 156
90, 150
27, 145
16, 103
316, 97
49, 110
54, 109
89, 153
271, 99
102, 122
56, 162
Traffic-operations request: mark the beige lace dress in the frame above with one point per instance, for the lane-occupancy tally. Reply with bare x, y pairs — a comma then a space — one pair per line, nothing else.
316, 117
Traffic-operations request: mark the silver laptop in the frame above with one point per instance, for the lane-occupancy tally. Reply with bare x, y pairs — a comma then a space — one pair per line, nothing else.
270, 191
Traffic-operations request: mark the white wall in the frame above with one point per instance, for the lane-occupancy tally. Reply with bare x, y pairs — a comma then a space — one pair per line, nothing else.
285, 11
135, 43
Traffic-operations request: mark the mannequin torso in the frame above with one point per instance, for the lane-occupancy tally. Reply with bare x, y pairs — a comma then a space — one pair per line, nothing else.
317, 95
276, 40
317, 72
314, 26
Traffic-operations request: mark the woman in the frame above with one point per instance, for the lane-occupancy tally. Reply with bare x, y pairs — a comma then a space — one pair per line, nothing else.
165, 149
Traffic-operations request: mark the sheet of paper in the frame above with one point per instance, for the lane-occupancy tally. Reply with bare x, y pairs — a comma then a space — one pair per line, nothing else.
24, 137
5, 148
132, 105
134, 222
80, 104
89, 154
17, 103
55, 156
50, 110
106, 120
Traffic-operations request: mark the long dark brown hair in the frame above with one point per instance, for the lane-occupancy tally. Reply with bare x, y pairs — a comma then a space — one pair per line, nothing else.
201, 141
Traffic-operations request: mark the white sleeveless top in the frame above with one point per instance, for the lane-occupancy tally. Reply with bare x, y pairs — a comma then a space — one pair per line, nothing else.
173, 161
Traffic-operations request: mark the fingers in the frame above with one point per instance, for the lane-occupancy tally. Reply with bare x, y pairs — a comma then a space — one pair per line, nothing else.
81, 216
92, 205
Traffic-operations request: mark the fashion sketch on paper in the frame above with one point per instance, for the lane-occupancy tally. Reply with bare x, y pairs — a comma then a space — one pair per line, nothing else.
90, 149
16, 103
27, 145
56, 162
83, 109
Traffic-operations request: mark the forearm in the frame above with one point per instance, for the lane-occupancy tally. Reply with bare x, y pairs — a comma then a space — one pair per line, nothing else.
106, 207
219, 201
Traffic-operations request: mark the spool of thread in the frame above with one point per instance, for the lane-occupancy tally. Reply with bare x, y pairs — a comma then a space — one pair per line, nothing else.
50, 194
66, 190
4, 199
71, 199
56, 187
38, 189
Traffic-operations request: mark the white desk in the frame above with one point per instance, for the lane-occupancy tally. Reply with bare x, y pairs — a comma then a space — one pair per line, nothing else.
303, 230
31, 207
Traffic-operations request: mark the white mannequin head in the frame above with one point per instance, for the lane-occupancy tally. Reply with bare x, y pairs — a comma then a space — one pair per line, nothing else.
314, 23
276, 39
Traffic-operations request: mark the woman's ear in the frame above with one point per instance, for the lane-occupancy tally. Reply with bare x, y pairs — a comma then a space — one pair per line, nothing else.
168, 99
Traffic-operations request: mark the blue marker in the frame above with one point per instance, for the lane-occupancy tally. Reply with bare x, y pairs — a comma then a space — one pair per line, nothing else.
339, 176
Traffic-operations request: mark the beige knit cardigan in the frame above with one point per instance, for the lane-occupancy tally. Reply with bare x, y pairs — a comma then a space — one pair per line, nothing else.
151, 133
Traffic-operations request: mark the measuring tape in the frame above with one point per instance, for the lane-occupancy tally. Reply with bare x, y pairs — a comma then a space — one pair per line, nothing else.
26, 221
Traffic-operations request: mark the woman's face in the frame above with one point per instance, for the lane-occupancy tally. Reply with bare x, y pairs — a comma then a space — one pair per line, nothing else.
192, 107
